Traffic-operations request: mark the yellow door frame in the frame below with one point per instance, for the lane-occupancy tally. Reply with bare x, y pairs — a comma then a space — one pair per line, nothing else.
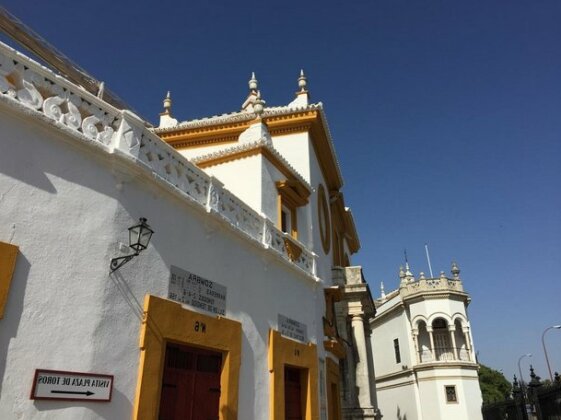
282, 352
167, 321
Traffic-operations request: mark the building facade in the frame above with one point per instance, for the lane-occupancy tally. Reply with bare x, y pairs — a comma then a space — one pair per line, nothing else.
231, 310
423, 350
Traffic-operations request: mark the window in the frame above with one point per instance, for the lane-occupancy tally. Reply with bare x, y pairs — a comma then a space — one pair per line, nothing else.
286, 220
451, 394
396, 350
291, 195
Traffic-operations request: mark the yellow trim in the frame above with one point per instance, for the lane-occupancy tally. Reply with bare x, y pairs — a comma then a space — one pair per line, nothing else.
284, 351
293, 193
333, 401
325, 221
165, 321
297, 122
8, 256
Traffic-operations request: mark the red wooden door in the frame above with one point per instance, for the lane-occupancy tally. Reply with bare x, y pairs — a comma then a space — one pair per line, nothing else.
292, 394
191, 384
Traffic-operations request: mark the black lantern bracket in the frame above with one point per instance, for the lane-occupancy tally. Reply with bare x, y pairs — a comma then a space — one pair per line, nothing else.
139, 238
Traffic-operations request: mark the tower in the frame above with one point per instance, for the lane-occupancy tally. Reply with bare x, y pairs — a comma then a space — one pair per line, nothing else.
423, 349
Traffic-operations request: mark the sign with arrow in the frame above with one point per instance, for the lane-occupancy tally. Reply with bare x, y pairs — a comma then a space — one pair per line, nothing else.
71, 386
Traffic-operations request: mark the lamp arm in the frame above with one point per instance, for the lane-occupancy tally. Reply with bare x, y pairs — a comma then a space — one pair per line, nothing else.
117, 263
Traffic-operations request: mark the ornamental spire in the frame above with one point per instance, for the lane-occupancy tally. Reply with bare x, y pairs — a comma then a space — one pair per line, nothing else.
166, 119
302, 82
302, 95
455, 270
252, 96
252, 83
167, 103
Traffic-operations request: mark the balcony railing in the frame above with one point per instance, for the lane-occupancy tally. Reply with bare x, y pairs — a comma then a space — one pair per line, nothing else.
444, 354
86, 118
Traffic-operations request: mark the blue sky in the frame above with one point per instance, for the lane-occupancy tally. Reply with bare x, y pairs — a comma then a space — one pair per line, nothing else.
445, 117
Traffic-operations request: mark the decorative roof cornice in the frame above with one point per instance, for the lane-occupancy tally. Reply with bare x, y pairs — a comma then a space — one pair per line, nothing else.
239, 116
220, 156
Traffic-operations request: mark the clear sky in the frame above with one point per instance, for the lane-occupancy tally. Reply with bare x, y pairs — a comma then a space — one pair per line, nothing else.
446, 118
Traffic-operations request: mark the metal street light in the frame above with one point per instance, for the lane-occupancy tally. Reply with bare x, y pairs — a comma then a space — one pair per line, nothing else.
557, 327
139, 237
519, 369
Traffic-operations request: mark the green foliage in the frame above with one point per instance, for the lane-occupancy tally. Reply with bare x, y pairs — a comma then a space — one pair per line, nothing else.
494, 386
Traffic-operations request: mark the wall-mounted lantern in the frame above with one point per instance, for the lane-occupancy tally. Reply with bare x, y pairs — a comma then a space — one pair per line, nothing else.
139, 238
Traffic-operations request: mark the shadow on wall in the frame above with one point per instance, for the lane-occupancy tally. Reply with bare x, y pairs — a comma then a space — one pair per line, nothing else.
14, 309
399, 415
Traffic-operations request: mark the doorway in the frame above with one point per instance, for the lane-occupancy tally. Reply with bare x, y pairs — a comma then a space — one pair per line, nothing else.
293, 393
191, 384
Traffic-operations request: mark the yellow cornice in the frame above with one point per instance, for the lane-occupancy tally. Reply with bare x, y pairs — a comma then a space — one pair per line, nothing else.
293, 192
185, 138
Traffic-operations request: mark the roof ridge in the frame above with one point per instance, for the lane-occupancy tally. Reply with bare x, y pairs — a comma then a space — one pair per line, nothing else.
262, 142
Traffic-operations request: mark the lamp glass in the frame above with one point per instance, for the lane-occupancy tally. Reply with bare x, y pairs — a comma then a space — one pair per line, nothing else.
139, 236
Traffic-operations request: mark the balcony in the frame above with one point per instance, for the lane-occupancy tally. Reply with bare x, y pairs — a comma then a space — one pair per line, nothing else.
444, 354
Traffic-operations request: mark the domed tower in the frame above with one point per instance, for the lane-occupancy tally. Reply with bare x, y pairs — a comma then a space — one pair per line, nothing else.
423, 349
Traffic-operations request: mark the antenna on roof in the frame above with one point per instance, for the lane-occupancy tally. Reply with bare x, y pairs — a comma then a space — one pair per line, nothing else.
428, 260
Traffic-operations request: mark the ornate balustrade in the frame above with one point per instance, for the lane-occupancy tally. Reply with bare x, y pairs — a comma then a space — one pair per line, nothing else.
443, 354
431, 284
87, 118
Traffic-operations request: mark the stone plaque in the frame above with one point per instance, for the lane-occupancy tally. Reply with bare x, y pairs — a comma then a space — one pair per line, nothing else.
196, 291
293, 329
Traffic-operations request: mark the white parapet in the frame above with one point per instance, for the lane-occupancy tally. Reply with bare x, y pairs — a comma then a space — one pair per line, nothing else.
36, 90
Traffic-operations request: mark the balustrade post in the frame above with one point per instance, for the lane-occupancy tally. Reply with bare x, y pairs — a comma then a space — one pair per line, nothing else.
465, 330
452, 332
432, 349
415, 333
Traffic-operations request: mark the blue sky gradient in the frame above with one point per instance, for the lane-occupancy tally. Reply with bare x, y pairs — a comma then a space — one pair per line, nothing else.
445, 117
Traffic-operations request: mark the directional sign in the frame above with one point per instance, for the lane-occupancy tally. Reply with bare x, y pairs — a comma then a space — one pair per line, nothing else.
62, 385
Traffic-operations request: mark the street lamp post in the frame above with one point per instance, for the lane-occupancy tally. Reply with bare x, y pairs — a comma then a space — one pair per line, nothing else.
557, 327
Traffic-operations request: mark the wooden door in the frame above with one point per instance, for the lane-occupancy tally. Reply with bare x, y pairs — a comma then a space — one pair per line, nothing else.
292, 394
191, 384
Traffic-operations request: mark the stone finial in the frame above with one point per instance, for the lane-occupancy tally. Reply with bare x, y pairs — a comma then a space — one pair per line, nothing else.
421, 276
166, 120
442, 275
408, 272
302, 82
302, 99
455, 270
401, 272
167, 103
249, 103
252, 83
259, 105
382, 291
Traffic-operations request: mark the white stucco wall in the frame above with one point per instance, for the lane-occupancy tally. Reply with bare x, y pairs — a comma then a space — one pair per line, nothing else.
384, 331
241, 177
296, 149
433, 395
67, 206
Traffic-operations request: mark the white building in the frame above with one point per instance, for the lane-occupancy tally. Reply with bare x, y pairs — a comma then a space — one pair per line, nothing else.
423, 350
233, 292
